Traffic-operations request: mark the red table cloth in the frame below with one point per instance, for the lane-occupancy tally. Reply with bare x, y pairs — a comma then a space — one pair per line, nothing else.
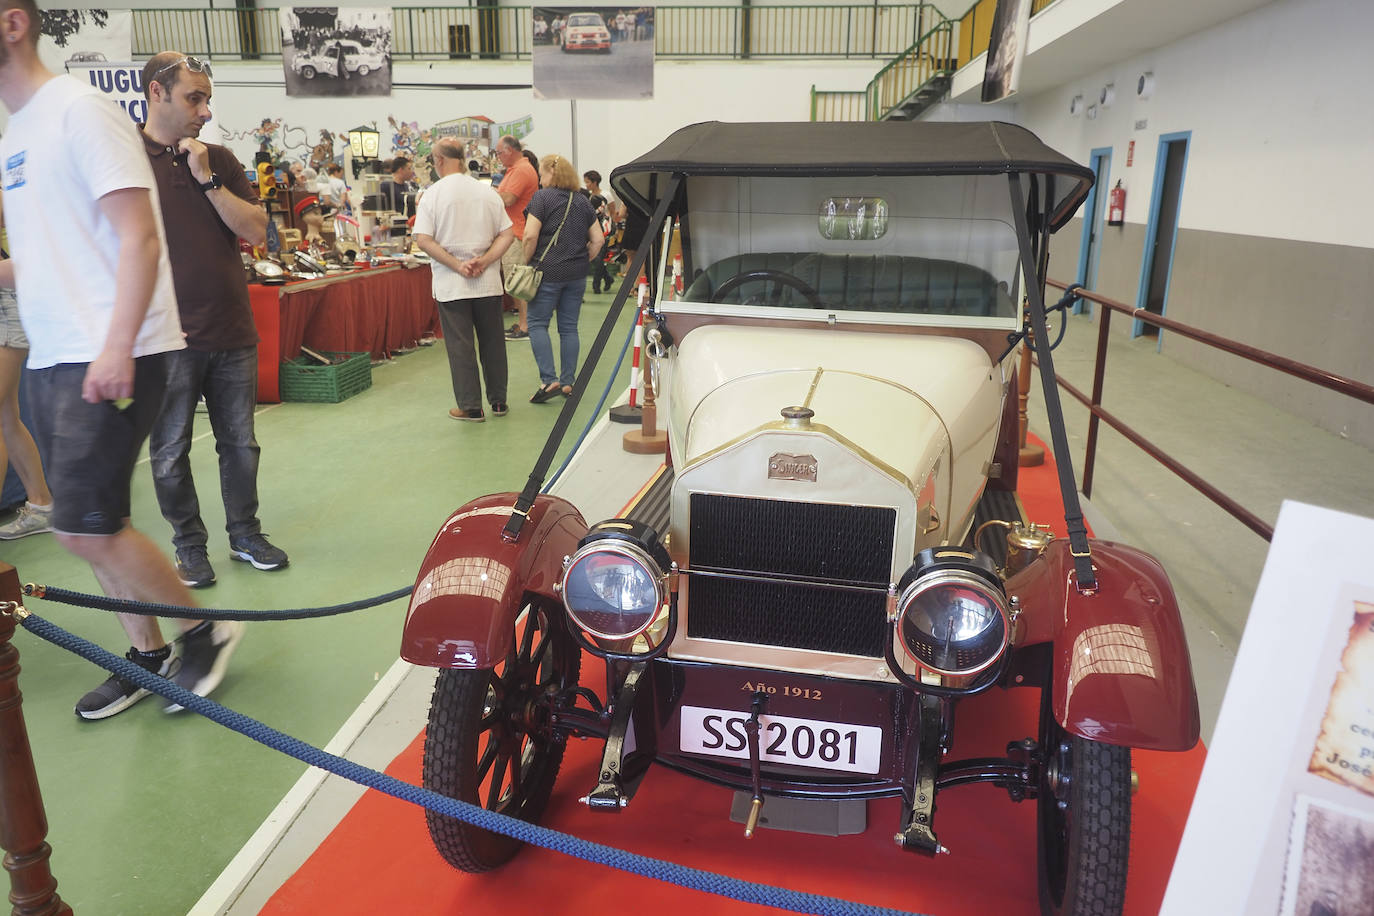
374, 311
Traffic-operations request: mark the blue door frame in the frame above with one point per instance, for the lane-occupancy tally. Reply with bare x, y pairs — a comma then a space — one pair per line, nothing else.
1100, 161
1152, 229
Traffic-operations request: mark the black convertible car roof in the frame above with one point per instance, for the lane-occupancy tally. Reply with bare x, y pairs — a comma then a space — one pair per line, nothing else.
855, 148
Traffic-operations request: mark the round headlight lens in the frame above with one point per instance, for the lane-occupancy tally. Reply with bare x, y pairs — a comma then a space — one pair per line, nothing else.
952, 623
612, 590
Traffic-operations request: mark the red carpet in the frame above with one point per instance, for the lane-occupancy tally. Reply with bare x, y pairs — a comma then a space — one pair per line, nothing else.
380, 860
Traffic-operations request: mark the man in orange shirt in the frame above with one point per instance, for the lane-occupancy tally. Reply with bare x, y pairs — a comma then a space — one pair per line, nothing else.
516, 189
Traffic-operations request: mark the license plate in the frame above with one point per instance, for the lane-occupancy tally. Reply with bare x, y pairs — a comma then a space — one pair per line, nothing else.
782, 739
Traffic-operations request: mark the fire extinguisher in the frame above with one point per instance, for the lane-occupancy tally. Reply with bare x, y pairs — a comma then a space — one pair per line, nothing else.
1116, 205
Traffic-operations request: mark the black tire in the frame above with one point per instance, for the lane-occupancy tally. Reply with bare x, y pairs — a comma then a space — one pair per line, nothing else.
308, 72
1084, 822
481, 722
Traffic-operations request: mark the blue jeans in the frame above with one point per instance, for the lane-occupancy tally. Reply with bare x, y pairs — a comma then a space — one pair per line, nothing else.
566, 299
229, 381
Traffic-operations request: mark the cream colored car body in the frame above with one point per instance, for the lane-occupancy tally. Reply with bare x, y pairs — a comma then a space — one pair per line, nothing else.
902, 420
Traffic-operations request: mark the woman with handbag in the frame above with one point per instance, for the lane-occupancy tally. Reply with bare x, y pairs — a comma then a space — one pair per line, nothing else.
562, 235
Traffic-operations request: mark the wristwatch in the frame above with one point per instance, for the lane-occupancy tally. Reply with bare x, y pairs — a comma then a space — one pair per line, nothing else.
214, 182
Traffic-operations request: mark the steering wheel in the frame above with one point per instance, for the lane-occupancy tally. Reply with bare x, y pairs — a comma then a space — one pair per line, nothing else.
763, 276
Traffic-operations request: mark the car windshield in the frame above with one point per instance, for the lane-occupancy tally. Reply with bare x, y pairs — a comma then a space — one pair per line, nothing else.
588, 19
908, 246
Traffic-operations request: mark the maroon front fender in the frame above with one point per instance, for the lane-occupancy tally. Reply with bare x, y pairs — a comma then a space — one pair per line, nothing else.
472, 583
1121, 671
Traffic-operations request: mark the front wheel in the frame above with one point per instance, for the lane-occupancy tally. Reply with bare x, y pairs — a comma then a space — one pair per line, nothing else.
364, 70
491, 740
308, 72
1084, 822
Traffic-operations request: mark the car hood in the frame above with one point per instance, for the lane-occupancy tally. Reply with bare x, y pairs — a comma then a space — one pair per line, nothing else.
903, 400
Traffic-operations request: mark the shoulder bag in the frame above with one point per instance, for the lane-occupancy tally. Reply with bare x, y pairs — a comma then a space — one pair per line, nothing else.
523, 281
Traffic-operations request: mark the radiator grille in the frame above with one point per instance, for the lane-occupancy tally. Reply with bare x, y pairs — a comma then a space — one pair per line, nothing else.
790, 540
812, 540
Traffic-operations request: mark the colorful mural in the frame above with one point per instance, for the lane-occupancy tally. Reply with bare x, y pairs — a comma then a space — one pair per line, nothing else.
289, 143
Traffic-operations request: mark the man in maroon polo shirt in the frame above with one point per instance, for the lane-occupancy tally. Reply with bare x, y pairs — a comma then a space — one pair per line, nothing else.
207, 205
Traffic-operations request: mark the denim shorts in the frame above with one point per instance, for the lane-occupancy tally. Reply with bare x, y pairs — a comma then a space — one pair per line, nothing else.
11, 331
89, 450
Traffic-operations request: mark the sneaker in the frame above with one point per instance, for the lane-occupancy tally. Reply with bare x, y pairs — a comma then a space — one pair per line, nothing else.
205, 654
514, 333
500, 409
30, 520
254, 548
474, 416
193, 567
116, 694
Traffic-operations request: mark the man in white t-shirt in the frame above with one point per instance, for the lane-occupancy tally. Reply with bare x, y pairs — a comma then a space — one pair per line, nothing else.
76, 178
462, 224
335, 186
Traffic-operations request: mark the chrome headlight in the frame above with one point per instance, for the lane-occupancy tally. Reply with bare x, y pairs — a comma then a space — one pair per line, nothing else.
952, 613
614, 585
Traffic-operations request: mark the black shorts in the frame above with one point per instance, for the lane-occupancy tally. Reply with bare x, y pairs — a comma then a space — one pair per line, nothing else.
89, 450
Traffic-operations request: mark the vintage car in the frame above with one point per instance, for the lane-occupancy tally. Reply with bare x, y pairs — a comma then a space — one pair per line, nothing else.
339, 57
586, 32
840, 558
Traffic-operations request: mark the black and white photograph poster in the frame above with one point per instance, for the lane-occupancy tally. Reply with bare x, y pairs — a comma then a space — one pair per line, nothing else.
84, 36
336, 51
1006, 50
593, 52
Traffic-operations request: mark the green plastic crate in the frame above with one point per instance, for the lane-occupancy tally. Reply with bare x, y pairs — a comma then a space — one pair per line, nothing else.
303, 379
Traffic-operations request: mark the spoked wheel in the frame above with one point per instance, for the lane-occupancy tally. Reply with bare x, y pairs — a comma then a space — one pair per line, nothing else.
491, 740
1084, 820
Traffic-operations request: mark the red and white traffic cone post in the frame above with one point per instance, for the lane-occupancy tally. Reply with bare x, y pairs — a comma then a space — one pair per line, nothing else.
632, 412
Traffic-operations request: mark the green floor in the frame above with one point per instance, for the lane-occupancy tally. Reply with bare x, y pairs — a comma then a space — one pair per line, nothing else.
145, 809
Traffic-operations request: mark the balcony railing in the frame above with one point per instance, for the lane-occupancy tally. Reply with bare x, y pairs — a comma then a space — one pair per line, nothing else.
975, 27
504, 32
831, 105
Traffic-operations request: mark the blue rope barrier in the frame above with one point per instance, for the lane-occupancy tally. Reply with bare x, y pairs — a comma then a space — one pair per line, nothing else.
149, 609
644, 866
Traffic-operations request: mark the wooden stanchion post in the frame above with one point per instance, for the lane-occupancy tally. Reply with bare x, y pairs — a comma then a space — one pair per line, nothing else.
23, 825
647, 440
1030, 455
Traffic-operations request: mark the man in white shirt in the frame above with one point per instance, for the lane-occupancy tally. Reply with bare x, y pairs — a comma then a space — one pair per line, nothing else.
462, 225
333, 189
76, 178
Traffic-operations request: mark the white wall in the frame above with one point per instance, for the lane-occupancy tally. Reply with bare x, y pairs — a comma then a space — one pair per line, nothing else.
1281, 114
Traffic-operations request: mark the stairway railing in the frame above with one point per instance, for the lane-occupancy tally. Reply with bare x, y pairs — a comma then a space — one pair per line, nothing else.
929, 58
934, 56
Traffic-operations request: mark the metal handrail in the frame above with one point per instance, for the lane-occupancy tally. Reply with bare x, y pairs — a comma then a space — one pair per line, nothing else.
904, 76
839, 104
505, 32
1331, 380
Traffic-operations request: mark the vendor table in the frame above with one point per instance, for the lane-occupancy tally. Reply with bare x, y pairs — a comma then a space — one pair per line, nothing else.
374, 311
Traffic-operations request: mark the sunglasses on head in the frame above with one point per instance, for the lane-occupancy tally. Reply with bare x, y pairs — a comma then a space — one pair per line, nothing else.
194, 64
